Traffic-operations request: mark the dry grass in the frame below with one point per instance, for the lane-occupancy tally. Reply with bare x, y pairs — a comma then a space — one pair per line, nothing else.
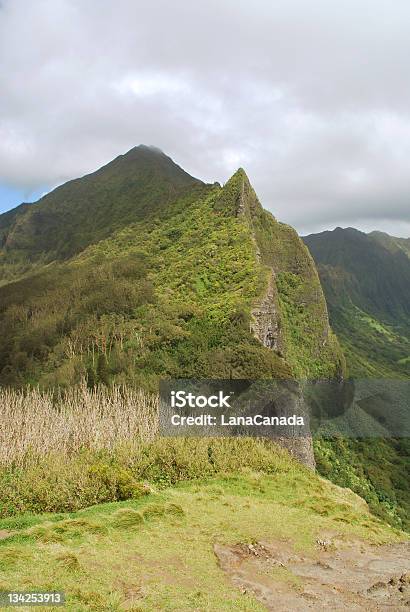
35, 423
71, 449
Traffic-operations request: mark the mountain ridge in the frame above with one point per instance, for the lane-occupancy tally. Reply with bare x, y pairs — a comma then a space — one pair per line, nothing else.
378, 279
393, 243
366, 280
201, 283
199, 263
81, 211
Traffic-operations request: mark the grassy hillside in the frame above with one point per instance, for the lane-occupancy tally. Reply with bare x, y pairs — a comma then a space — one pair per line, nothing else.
102, 508
392, 243
159, 550
366, 279
170, 294
367, 289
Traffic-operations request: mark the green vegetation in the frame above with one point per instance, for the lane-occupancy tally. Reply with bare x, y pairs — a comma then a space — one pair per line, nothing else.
373, 345
169, 294
81, 212
155, 552
302, 329
304, 337
121, 311
137, 272
55, 482
392, 243
375, 469
356, 269
366, 279
367, 288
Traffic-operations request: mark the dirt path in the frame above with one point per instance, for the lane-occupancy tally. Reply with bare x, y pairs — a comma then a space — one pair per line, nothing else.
360, 577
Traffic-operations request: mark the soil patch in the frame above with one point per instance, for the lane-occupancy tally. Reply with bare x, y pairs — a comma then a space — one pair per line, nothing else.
355, 577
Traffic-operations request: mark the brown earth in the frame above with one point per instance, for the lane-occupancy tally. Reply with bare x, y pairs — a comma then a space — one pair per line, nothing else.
354, 577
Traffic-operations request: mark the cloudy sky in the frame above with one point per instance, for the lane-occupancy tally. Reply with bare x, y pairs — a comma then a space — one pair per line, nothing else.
311, 97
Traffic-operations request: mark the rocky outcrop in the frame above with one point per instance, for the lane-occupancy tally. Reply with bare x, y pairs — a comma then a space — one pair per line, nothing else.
301, 449
266, 328
266, 314
265, 324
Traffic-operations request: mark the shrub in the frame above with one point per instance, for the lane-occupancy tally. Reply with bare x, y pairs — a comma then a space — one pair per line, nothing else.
126, 517
57, 483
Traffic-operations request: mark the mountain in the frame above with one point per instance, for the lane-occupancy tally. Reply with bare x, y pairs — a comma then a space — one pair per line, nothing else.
392, 243
366, 279
140, 270
85, 210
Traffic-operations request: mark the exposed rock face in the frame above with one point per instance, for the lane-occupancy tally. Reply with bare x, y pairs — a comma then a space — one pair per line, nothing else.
280, 251
266, 328
265, 319
301, 449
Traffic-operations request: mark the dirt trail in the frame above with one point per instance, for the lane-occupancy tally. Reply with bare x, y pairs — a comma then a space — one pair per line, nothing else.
358, 577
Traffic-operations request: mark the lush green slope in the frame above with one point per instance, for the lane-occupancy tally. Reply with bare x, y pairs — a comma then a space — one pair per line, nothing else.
85, 210
171, 291
366, 279
392, 243
162, 550
367, 288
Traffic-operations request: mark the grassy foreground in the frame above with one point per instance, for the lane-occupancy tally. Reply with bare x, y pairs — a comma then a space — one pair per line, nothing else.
155, 552
94, 503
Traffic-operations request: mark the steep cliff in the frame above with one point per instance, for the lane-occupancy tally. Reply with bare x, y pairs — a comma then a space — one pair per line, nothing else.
290, 316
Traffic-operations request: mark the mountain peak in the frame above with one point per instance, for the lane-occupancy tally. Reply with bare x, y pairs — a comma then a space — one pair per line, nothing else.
348, 231
240, 177
143, 148
147, 158
237, 196
138, 183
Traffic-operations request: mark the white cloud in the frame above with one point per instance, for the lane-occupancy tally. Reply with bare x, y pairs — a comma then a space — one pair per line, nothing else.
312, 98
151, 85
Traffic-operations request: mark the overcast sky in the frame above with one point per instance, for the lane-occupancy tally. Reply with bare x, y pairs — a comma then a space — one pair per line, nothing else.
311, 97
